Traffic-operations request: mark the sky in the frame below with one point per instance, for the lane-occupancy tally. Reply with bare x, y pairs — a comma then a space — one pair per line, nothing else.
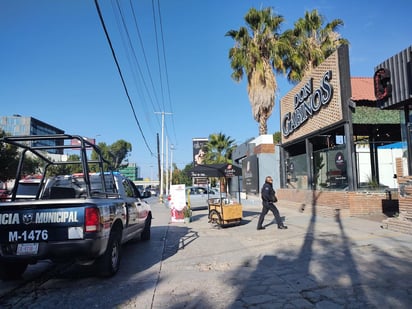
174, 79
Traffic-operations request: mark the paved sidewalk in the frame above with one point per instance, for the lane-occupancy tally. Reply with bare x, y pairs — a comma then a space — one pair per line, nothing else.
316, 263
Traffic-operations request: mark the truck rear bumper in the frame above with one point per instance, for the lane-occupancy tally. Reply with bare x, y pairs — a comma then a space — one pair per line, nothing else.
85, 249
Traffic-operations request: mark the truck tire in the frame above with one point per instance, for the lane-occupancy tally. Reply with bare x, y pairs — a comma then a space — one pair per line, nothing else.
109, 263
146, 231
12, 270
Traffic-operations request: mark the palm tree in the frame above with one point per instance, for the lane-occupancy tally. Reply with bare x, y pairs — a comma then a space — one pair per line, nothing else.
310, 44
219, 149
257, 52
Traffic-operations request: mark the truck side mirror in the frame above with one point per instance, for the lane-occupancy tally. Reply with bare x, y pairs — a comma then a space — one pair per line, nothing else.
147, 194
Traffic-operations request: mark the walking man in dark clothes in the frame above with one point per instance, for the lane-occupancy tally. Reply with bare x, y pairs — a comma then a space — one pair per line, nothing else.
268, 200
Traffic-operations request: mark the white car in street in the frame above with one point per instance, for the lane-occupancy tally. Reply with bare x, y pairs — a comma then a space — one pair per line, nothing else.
197, 196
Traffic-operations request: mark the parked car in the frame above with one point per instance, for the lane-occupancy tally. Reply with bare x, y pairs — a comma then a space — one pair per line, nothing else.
4, 194
197, 196
152, 190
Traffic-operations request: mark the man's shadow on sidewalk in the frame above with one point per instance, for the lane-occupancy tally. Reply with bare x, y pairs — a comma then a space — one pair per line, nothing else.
255, 215
273, 222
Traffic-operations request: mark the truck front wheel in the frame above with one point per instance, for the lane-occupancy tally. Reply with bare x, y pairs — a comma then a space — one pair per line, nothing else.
109, 263
12, 270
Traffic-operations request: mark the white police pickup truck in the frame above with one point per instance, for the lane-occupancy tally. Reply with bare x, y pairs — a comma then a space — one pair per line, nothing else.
83, 217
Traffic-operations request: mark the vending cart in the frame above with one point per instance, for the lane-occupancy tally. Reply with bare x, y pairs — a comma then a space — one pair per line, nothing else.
224, 210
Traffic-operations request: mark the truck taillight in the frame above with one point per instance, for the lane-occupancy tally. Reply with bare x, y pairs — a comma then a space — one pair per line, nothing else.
92, 219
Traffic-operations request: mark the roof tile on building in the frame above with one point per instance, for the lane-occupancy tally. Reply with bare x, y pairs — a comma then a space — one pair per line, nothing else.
362, 89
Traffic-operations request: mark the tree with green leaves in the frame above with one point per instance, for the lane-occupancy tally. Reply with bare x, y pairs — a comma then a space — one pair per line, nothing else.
182, 176
105, 152
116, 154
8, 160
219, 149
311, 43
66, 169
277, 138
259, 49
120, 151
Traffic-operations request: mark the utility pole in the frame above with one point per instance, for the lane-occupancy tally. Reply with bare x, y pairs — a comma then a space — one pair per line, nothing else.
158, 159
172, 147
167, 167
162, 155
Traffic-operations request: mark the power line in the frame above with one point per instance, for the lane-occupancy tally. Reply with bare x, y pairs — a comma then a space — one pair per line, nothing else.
121, 75
165, 64
143, 51
133, 60
157, 52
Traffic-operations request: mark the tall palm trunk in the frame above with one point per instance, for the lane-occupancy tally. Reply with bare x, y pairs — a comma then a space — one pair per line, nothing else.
261, 90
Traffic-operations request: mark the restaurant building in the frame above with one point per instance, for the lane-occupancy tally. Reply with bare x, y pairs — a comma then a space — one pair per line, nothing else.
333, 141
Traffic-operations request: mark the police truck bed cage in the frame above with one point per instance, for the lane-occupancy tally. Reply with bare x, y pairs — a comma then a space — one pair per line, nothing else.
41, 145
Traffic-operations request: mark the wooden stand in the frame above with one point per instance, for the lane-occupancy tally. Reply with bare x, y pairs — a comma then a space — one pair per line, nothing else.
224, 214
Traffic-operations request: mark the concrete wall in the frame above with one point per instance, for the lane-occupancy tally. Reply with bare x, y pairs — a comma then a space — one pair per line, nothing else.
328, 203
403, 222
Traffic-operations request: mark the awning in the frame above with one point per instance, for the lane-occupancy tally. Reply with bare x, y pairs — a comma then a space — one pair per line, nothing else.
215, 170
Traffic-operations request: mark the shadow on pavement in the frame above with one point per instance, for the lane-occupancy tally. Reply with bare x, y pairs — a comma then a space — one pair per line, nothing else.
327, 272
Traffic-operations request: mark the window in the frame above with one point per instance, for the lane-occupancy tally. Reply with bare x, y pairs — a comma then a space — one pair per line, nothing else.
128, 188
297, 172
330, 168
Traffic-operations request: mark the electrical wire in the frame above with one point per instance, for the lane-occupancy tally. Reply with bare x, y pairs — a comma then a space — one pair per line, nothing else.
165, 64
129, 46
143, 51
158, 57
121, 75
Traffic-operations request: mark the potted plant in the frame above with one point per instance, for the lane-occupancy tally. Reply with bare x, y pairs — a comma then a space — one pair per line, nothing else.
187, 213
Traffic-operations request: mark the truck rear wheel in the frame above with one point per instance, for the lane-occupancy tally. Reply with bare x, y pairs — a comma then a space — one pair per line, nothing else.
109, 263
12, 270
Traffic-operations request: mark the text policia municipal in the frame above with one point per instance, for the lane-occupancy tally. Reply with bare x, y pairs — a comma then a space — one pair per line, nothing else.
39, 217
307, 102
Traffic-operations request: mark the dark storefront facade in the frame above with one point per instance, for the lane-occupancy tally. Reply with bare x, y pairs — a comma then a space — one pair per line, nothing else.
316, 128
323, 129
